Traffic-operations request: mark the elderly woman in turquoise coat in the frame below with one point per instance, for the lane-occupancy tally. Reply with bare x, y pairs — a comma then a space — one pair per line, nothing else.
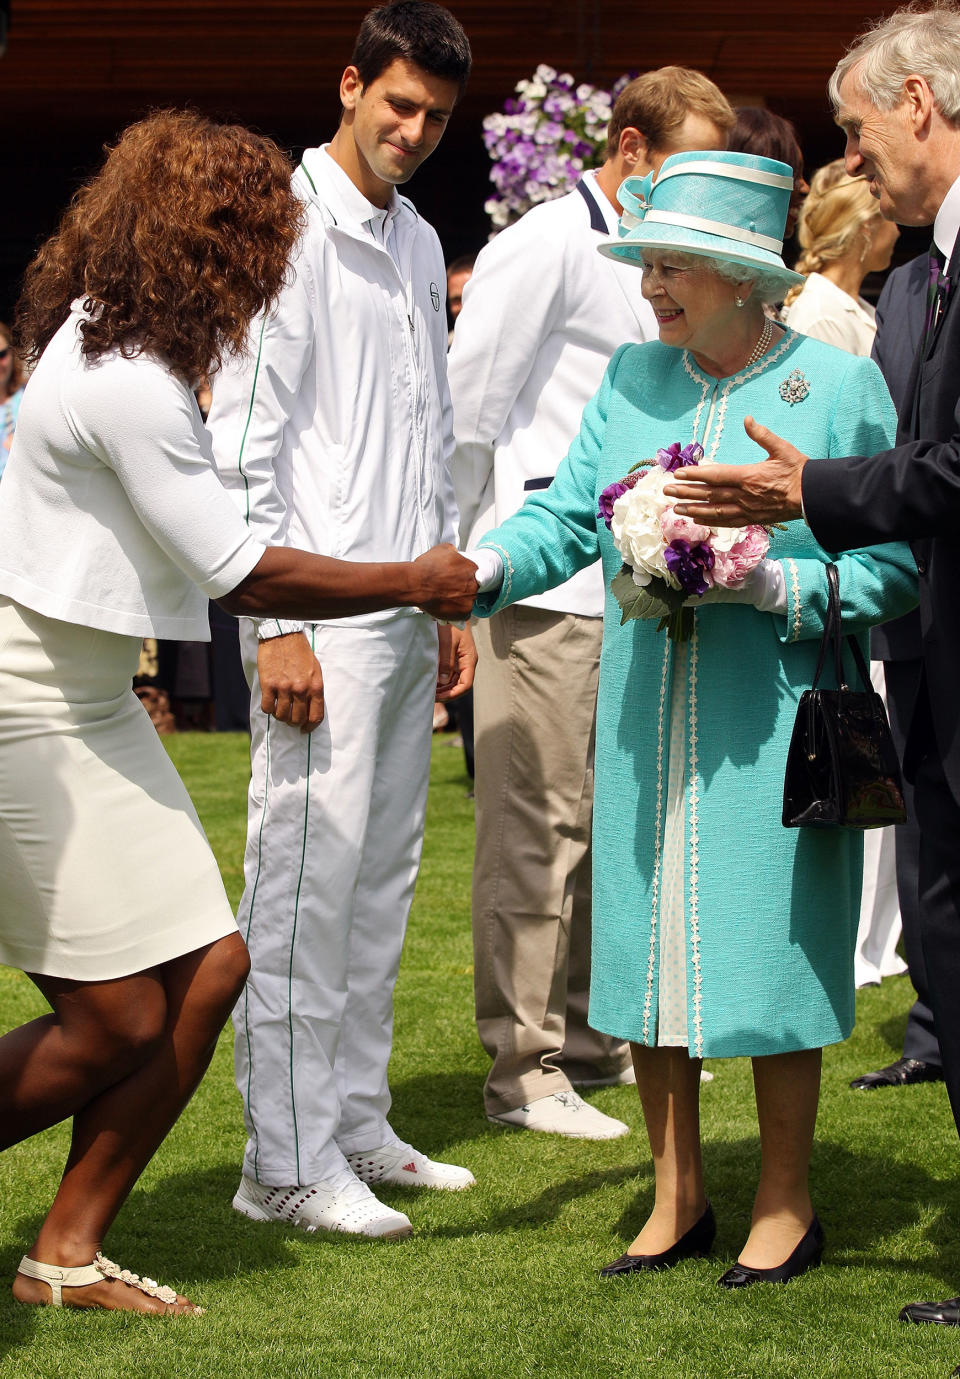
716, 931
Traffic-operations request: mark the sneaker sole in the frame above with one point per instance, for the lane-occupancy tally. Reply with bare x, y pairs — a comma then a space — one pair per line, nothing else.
255, 1213
565, 1134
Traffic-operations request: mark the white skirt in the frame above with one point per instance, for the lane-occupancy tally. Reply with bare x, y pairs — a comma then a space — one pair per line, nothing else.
104, 867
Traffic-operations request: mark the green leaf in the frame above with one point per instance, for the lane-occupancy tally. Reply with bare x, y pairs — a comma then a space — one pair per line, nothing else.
653, 600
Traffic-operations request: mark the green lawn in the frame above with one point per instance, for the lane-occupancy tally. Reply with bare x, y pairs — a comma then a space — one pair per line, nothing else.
501, 1281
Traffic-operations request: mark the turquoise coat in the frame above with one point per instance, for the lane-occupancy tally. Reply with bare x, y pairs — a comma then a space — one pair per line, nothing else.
770, 913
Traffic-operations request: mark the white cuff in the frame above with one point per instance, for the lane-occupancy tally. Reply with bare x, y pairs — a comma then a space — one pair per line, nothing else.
489, 568
771, 592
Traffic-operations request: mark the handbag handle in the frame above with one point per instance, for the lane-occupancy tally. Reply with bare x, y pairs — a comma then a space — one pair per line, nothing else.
833, 636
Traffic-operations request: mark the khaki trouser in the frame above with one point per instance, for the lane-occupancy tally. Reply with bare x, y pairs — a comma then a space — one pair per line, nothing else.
535, 706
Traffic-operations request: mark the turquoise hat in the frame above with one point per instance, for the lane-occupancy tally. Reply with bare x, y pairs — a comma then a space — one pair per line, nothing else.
730, 206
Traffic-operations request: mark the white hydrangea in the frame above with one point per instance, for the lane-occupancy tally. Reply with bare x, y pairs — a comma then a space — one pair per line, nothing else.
635, 526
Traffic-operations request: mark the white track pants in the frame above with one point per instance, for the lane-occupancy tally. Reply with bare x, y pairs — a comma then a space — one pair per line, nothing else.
334, 835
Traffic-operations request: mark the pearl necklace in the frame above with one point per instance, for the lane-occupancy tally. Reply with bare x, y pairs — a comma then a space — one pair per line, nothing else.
762, 345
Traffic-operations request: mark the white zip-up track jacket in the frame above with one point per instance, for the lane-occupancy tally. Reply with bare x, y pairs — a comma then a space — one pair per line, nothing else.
334, 431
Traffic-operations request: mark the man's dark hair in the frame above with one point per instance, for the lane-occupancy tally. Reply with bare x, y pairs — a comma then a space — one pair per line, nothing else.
767, 135
462, 264
422, 33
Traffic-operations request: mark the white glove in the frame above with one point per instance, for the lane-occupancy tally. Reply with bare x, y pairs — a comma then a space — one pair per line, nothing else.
764, 588
489, 568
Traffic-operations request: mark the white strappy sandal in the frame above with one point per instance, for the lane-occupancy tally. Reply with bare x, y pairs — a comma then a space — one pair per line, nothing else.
57, 1277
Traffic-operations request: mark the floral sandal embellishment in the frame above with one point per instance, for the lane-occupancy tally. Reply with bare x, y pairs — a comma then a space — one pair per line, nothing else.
794, 388
150, 1286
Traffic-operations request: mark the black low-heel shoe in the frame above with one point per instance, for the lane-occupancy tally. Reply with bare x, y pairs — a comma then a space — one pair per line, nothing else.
692, 1245
806, 1256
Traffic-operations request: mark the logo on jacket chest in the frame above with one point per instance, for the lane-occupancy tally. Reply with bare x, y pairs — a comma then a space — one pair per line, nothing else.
435, 296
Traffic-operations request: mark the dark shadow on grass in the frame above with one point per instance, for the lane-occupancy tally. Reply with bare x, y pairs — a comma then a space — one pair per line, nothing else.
434, 1110
892, 1031
181, 1231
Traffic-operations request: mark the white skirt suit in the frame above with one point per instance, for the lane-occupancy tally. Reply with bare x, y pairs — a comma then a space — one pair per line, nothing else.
113, 527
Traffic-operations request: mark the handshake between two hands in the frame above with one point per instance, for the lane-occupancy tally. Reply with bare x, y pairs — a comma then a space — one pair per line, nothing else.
449, 583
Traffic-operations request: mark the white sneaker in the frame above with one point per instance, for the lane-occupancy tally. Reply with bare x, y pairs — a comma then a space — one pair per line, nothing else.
340, 1203
403, 1166
564, 1113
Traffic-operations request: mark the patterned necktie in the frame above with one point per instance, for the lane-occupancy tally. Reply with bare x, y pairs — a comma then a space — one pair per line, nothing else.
937, 287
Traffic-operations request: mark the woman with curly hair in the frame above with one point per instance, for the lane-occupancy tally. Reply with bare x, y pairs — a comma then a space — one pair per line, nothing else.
111, 516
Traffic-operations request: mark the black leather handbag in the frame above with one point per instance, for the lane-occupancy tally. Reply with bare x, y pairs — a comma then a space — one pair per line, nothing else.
842, 766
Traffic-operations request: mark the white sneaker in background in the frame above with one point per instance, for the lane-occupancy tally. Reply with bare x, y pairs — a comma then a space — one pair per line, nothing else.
340, 1203
563, 1113
401, 1165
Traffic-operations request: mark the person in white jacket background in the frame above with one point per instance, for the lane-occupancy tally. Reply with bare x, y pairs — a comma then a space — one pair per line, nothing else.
334, 434
541, 317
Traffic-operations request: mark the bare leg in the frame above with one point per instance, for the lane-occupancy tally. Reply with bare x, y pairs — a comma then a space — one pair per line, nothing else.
118, 1130
787, 1087
668, 1081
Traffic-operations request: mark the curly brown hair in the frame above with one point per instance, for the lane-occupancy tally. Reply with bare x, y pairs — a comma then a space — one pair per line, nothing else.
181, 238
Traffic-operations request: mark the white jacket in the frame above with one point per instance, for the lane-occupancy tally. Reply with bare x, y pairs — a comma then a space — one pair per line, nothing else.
111, 512
334, 431
824, 311
541, 317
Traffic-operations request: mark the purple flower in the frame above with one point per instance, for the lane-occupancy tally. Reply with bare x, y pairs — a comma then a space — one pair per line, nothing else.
690, 565
610, 495
672, 457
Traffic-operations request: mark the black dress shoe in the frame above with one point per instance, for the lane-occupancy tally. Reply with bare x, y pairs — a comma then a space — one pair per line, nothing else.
904, 1073
692, 1245
946, 1313
805, 1256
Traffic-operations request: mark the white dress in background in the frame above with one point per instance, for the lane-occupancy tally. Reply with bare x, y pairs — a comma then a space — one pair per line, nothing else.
826, 312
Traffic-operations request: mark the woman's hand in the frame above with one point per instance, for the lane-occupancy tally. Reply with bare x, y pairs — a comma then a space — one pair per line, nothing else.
446, 581
722, 495
457, 661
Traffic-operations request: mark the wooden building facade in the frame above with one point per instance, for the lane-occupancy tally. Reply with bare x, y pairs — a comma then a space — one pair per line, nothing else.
73, 75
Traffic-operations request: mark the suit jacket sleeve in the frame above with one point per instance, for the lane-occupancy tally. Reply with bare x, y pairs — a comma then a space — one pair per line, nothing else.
903, 494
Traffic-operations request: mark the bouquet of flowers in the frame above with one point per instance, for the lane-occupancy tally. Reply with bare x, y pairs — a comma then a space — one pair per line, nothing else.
669, 559
548, 134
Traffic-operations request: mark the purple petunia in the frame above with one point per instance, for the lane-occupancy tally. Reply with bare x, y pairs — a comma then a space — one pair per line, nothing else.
610, 495
689, 565
671, 457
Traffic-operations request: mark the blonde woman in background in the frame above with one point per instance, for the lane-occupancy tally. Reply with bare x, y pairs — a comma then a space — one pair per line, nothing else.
843, 238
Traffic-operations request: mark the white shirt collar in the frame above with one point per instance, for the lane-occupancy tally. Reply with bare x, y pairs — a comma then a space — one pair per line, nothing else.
947, 224
353, 201
611, 217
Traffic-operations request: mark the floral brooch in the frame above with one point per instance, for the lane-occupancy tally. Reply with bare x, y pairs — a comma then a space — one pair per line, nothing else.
794, 388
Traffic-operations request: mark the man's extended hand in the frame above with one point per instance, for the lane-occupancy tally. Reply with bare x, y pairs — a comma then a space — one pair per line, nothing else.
291, 681
456, 661
726, 495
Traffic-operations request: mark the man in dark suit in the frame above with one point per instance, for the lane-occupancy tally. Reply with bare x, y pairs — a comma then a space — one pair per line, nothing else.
903, 135
900, 323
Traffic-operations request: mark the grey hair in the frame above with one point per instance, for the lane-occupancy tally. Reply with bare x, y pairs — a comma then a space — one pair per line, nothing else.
915, 41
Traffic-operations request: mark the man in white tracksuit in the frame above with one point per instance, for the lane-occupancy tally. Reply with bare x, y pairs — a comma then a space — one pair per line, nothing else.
541, 316
334, 434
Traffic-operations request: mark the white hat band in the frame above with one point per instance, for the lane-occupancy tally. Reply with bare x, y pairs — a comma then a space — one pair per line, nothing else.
765, 179
629, 221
